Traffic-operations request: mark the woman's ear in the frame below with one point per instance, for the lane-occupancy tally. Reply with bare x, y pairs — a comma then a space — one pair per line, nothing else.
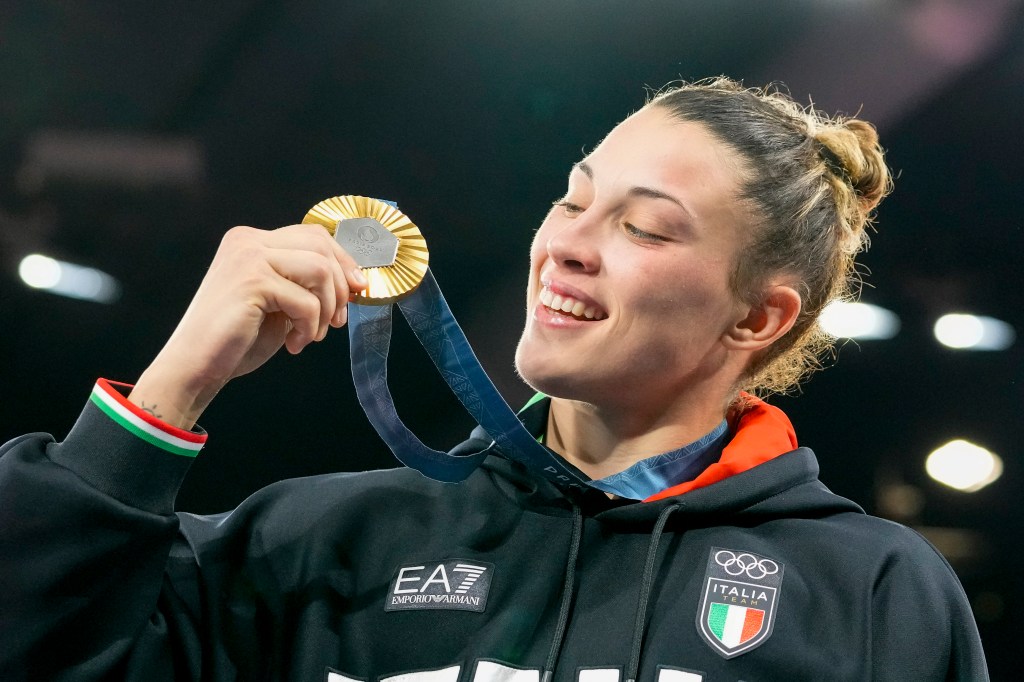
766, 321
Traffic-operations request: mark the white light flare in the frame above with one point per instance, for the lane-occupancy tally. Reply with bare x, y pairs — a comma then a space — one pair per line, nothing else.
68, 279
974, 332
859, 321
964, 466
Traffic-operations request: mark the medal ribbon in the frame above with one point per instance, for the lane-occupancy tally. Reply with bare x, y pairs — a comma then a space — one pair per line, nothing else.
440, 335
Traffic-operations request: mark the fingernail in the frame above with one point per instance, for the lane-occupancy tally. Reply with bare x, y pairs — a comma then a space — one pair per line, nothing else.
359, 277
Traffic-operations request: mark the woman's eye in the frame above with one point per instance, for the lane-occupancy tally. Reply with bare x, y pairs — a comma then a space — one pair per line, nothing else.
634, 231
569, 207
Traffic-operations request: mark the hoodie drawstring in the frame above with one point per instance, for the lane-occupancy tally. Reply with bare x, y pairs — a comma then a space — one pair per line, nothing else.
567, 592
645, 593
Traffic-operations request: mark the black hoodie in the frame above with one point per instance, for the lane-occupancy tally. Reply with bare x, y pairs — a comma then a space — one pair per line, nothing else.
763, 575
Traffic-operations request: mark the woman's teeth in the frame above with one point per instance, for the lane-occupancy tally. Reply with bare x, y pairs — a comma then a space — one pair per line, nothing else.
568, 305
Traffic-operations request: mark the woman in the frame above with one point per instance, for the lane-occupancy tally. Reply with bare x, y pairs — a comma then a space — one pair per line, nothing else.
689, 259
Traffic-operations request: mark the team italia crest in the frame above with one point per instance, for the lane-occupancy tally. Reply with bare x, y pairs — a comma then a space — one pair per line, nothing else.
741, 596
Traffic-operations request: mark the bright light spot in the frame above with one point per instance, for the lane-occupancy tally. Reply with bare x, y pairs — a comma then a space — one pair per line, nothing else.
974, 332
964, 466
39, 272
859, 321
68, 279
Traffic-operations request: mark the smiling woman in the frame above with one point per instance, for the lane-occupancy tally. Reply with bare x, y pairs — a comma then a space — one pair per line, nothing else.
648, 235
689, 258
706, 233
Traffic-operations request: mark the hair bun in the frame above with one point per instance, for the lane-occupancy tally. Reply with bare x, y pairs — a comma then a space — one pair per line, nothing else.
855, 144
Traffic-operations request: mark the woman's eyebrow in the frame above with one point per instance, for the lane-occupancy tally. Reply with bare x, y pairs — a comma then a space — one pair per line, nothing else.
648, 192
652, 193
584, 167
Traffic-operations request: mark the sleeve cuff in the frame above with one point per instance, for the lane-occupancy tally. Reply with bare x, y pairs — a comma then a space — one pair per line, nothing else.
108, 396
126, 452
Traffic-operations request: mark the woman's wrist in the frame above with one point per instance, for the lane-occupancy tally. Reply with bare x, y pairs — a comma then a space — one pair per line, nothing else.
170, 398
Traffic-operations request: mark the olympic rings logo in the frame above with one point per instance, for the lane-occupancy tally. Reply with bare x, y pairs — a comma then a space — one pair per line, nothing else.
755, 568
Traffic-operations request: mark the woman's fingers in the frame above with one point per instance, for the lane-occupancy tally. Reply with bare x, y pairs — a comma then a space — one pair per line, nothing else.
309, 256
319, 275
348, 277
302, 307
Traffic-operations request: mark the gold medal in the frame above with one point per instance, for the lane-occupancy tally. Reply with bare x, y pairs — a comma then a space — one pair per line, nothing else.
387, 245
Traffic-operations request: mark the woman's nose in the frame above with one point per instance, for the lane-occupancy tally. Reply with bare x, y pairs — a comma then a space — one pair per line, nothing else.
575, 246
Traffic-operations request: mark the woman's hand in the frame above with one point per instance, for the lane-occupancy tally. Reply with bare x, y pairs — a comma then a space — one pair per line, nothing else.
264, 289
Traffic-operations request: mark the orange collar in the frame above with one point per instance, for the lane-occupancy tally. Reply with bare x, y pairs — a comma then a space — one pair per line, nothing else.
761, 432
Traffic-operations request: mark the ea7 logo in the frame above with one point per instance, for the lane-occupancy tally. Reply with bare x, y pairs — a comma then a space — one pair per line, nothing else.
453, 584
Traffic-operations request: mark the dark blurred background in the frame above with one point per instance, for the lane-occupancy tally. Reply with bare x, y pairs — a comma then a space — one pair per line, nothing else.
132, 135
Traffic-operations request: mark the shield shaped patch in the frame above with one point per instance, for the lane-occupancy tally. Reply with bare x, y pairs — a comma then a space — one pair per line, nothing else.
740, 600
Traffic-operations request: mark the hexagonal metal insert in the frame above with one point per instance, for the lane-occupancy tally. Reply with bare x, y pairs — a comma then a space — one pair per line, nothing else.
367, 241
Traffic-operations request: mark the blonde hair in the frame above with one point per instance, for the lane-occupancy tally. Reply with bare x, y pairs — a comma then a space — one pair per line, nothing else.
812, 183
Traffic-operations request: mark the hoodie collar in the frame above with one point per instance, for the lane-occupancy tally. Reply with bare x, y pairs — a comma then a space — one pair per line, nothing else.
760, 432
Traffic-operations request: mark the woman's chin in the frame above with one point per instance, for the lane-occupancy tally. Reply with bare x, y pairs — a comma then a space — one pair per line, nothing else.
556, 371
542, 374
552, 380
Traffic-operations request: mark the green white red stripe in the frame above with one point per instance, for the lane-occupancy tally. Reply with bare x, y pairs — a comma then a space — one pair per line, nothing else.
142, 424
734, 625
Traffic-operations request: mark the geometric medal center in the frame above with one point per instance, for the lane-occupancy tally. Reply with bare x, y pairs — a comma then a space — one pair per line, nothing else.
368, 242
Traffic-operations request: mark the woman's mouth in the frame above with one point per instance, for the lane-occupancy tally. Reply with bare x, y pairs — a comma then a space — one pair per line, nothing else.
569, 306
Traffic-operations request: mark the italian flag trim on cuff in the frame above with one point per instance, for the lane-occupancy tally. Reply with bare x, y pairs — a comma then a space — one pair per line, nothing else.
142, 424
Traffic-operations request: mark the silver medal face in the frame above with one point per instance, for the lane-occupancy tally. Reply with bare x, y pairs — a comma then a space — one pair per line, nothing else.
371, 244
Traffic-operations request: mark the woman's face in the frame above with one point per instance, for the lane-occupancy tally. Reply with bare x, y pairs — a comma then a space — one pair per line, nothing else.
640, 251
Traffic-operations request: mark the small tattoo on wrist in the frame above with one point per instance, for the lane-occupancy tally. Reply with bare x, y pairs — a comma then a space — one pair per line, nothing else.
151, 409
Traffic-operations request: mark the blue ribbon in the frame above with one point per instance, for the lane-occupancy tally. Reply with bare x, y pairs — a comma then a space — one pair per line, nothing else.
440, 335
